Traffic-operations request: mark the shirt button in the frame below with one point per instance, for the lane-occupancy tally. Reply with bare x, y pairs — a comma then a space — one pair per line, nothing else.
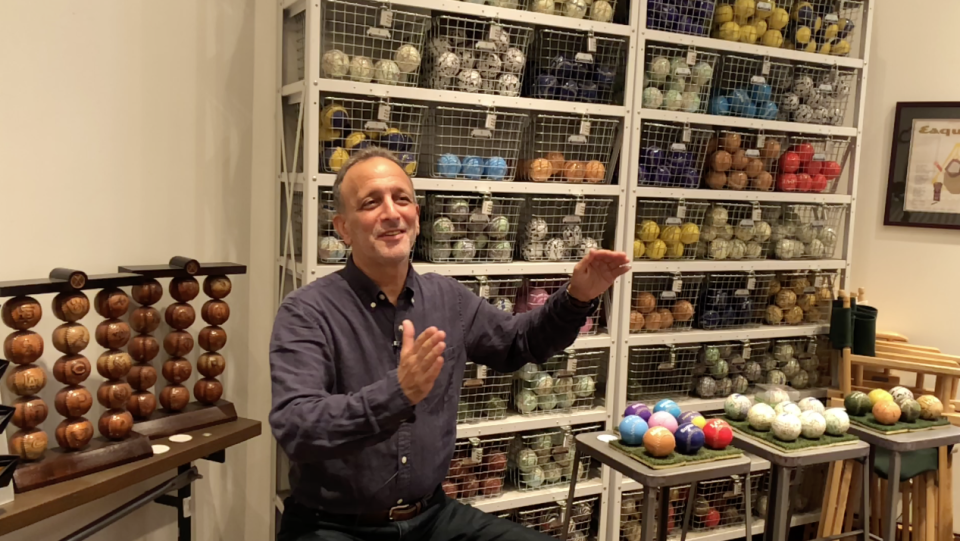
382, 297
373, 305
403, 459
400, 328
400, 501
412, 300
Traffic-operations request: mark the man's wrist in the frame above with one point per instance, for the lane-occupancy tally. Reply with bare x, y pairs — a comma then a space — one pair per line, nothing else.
576, 300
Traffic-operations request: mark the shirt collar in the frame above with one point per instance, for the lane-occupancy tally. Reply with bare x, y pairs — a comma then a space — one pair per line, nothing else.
369, 292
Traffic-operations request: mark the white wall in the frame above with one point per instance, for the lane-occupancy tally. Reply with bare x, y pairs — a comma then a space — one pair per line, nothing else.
131, 131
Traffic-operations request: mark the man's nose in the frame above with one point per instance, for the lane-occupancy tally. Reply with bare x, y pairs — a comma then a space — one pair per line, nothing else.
390, 210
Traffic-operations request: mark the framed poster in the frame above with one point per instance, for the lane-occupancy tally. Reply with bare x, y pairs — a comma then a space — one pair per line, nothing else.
923, 187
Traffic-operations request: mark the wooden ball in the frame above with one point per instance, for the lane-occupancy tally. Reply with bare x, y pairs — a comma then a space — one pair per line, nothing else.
29, 444
184, 289
143, 348
213, 338
29, 412
26, 380
177, 370
178, 343
145, 319
180, 316
215, 312
23, 347
74, 434
112, 394
142, 377
217, 287
114, 364
113, 333
73, 402
71, 369
174, 397
71, 338
142, 404
731, 142
211, 365
739, 160
115, 424
71, 306
111, 303
147, 293
21, 313
208, 390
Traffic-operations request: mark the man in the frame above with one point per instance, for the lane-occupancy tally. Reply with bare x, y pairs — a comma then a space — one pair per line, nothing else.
364, 406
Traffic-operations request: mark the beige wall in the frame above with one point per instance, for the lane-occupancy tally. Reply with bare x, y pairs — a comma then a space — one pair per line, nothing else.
131, 131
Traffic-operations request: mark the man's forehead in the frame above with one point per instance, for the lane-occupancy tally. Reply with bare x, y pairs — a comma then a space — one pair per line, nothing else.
374, 174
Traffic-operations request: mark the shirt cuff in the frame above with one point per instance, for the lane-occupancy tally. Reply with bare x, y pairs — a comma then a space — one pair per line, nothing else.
576, 307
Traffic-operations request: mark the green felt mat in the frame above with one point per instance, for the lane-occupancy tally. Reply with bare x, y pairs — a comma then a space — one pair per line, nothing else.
869, 421
800, 444
675, 459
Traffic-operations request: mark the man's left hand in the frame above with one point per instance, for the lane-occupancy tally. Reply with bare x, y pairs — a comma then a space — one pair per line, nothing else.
596, 272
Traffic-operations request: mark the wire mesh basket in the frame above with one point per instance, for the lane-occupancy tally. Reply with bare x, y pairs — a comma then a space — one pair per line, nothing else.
537, 289
660, 371
476, 55
678, 78
349, 125
472, 143
734, 300
563, 228
672, 155
731, 367
366, 42
568, 148
571, 381
664, 302
478, 468
793, 362
464, 228
737, 231
544, 458
500, 291
631, 514
826, 27
484, 394
808, 231
801, 297
575, 66
814, 164
750, 87
597, 11
548, 518
819, 95
743, 160
718, 503
667, 228
691, 18
760, 23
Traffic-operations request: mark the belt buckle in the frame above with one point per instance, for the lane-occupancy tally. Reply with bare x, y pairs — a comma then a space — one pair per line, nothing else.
396, 508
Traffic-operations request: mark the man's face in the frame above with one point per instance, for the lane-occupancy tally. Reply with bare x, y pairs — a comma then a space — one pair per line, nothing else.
380, 219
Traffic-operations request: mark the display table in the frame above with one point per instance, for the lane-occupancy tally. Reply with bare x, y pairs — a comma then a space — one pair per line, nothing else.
782, 463
45, 503
596, 445
897, 444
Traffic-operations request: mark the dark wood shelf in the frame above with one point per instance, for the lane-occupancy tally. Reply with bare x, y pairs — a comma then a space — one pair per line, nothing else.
39, 286
171, 271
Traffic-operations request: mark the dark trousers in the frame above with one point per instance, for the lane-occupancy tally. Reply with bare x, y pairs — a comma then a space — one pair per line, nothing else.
446, 520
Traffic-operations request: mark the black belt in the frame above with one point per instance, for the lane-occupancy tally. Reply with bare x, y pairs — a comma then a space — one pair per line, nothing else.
398, 513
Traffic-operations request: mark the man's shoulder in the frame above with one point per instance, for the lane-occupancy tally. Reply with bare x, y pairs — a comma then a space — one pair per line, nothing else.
318, 293
440, 282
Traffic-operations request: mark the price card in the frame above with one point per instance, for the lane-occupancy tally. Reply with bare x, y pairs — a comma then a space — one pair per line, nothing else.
691, 56
386, 18
668, 295
477, 452
826, 88
741, 293
578, 139
487, 206
818, 281
812, 347
496, 33
674, 221
819, 157
746, 351
383, 112
687, 134
818, 223
584, 127
752, 153
673, 356
678, 147
481, 134
584, 58
746, 223
591, 44
764, 6
683, 72
486, 45
571, 363
677, 285
765, 68
681, 211
375, 126
378, 33
567, 438
485, 291
761, 139
481, 371
830, 18
491, 122
757, 213
809, 289
751, 283
758, 80
580, 209
737, 486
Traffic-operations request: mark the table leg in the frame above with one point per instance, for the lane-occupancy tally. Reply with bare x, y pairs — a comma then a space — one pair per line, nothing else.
691, 495
892, 497
778, 527
570, 493
647, 520
748, 507
866, 467
664, 521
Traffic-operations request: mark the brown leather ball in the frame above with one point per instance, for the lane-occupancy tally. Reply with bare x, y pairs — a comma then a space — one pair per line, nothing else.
29, 412
113, 333
211, 365
114, 364
212, 338
147, 293
74, 434
112, 395
71, 338
29, 444
208, 390
141, 404
215, 312
177, 370
115, 424
142, 377
145, 319
178, 343
71, 369
174, 397
217, 287
23, 347
184, 289
71, 306
73, 402
143, 348
26, 380
111, 303
180, 316
21, 313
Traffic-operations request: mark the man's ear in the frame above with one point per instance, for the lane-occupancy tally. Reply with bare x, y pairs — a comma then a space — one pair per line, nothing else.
341, 226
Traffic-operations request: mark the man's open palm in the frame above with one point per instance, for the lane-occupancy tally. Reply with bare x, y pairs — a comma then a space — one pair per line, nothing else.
596, 272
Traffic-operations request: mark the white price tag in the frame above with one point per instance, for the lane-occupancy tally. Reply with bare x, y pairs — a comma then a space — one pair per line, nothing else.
677, 285
687, 134
741, 293
758, 80
746, 223
571, 364
580, 209
812, 347
751, 283
584, 127
819, 157
477, 452
764, 6
757, 214
496, 32
674, 221
383, 112
761, 139
378, 33
818, 281
491, 122
809, 289
481, 371
830, 18
765, 67
568, 438
679, 147
591, 44
818, 223
375, 126
487, 206
481, 134
691, 57
668, 295
737, 488
684, 72
826, 87
746, 351
386, 18
486, 45
577, 139
752, 153
584, 58
485, 291
681, 211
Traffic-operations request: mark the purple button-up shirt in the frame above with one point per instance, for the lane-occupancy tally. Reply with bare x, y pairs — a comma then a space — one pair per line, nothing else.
355, 441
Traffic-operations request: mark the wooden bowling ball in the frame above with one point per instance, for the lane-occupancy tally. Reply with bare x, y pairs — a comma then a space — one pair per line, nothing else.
23, 347
174, 397
112, 394
71, 369
217, 287
29, 412
178, 343
71, 306
114, 364
143, 348
180, 316
208, 390
142, 377
115, 424
145, 319
74, 434
26, 380
141, 404
73, 402
111, 303
29, 444
184, 289
215, 312
71, 338
211, 365
212, 338
177, 370
21, 313
147, 293
113, 333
